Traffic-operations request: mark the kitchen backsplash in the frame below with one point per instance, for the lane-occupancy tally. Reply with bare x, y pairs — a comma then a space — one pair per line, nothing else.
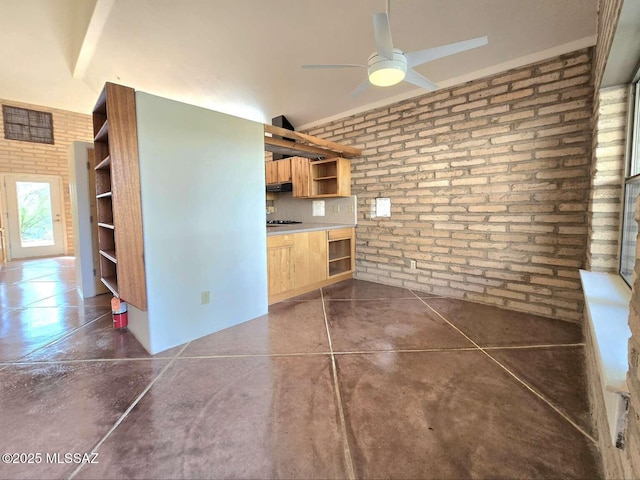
336, 210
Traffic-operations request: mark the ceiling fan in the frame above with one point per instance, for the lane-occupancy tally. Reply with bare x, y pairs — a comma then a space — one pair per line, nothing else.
388, 66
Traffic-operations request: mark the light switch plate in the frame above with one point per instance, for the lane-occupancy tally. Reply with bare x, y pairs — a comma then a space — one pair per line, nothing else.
318, 208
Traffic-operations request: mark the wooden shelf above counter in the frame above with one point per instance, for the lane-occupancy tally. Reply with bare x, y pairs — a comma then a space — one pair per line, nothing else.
304, 145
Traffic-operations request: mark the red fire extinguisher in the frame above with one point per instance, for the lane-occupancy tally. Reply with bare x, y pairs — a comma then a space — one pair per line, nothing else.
119, 312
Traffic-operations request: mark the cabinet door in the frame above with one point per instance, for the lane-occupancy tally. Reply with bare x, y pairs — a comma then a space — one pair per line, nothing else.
271, 172
300, 172
280, 266
284, 170
310, 258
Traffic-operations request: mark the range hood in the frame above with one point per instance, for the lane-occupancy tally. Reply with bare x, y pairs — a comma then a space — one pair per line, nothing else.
280, 187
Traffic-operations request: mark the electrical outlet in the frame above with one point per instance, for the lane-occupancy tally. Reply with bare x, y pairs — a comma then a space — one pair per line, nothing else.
204, 298
413, 265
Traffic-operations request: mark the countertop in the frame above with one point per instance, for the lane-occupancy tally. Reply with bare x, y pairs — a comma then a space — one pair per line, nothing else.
304, 227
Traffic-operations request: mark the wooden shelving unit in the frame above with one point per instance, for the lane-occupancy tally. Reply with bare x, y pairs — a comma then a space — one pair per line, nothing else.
341, 246
331, 178
118, 195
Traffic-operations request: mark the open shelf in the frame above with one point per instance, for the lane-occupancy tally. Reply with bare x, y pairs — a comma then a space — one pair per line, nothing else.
341, 266
103, 182
340, 252
101, 104
325, 178
106, 239
330, 178
104, 164
322, 170
109, 255
112, 284
103, 133
105, 212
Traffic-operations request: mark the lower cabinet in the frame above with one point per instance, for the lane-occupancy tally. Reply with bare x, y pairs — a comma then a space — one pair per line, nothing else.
280, 257
310, 254
300, 262
342, 251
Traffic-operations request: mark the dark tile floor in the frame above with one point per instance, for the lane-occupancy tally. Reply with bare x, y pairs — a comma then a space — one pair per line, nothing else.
358, 380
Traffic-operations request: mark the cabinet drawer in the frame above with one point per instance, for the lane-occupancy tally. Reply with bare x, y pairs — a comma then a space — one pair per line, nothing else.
340, 233
280, 241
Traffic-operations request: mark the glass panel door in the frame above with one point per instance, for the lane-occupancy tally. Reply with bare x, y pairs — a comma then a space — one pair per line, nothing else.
34, 214
34, 211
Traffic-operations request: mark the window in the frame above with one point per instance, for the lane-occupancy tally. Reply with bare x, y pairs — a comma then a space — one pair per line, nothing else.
27, 125
631, 191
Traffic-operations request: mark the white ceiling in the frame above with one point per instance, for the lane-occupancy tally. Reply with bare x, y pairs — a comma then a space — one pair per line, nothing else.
243, 56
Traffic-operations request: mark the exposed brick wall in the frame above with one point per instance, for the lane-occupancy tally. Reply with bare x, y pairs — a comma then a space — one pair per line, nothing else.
631, 455
605, 203
38, 158
489, 184
617, 463
608, 14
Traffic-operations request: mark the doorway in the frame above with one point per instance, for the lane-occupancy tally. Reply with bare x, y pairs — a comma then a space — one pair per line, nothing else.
34, 216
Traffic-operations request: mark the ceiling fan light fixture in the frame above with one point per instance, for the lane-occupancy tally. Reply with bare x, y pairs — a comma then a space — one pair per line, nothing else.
385, 77
384, 72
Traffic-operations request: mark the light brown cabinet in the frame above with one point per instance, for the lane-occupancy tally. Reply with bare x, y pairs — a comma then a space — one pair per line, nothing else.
342, 251
330, 178
310, 258
280, 264
295, 262
300, 172
321, 179
119, 210
300, 262
278, 171
312, 179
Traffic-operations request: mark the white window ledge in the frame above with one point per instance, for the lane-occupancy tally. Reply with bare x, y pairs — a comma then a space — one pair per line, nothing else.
607, 300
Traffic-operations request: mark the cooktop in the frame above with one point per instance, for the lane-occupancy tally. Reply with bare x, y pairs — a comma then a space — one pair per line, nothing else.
282, 222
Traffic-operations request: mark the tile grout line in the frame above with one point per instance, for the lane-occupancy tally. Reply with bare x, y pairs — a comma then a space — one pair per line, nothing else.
524, 384
4, 364
86, 360
52, 342
28, 305
525, 347
129, 409
336, 386
370, 299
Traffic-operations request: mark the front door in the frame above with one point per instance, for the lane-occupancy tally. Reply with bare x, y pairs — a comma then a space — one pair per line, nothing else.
34, 215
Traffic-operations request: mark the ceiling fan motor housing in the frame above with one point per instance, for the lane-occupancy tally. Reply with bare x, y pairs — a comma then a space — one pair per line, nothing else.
384, 72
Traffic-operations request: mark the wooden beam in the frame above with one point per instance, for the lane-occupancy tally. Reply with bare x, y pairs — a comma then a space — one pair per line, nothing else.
92, 36
345, 151
277, 142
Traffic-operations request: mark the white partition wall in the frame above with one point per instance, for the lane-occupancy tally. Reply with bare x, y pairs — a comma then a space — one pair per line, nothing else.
203, 197
87, 281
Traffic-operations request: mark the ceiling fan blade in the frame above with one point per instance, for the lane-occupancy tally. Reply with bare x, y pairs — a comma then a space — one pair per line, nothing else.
382, 32
423, 56
342, 65
360, 88
415, 78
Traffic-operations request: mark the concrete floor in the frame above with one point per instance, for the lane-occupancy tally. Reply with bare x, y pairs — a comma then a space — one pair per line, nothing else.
357, 380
